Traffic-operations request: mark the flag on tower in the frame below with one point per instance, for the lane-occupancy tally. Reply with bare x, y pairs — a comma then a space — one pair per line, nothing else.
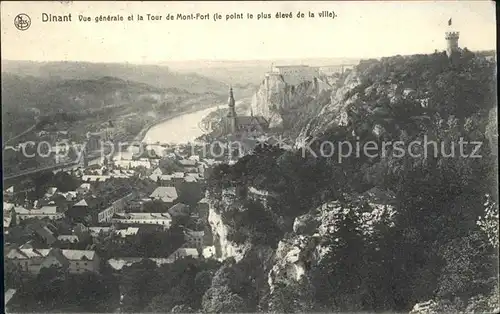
449, 22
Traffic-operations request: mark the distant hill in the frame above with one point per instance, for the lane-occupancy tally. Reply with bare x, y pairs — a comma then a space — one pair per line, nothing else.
158, 76
20, 93
27, 98
246, 71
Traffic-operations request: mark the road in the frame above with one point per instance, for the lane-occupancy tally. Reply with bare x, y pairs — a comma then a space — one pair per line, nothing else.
31, 128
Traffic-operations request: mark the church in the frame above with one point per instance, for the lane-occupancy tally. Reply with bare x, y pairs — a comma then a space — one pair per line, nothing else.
243, 125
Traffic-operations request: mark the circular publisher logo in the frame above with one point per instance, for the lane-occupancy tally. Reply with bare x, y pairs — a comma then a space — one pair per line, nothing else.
22, 22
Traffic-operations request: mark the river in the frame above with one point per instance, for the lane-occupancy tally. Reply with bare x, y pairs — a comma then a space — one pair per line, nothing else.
184, 128
181, 129
177, 130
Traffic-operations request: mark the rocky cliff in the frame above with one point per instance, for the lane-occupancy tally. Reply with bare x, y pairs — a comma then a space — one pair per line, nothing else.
398, 213
221, 230
303, 249
283, 103
224, 248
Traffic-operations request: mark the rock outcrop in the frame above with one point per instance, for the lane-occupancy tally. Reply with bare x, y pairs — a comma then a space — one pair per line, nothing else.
276, 99
224, 248
302, 249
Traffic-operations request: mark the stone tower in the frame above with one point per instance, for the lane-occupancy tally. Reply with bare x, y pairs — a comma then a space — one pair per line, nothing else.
451, 37
451, 42
231, 115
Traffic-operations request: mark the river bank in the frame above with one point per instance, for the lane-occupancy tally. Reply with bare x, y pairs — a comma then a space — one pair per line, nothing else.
141, 135
180, 128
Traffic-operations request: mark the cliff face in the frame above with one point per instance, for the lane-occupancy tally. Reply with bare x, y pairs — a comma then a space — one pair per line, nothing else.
282, 103
398, 98
224, 248
303, 249
333, 112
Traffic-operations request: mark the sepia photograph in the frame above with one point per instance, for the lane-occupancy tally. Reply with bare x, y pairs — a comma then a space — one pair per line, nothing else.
250, 157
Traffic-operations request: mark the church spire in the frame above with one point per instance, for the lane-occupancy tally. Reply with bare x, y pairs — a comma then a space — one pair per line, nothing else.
231, 115
231, 97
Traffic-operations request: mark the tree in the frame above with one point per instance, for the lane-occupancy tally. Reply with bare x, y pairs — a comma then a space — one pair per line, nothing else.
338, 278
294, 297
14, 276
222, 300
138, 284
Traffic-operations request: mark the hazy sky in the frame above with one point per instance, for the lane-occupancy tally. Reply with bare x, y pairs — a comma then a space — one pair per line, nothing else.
361, 30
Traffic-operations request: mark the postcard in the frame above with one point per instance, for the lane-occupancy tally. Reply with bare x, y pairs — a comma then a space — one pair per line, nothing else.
250, 156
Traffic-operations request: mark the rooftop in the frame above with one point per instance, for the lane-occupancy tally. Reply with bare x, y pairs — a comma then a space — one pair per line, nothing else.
188, 162
165, 193
119, 263
133, 216
69, 238
94, 178
72, 255
127, 232
82, 203
8, 295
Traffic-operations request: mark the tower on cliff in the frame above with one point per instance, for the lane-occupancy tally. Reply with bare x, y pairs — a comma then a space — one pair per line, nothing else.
231, 115
451, 37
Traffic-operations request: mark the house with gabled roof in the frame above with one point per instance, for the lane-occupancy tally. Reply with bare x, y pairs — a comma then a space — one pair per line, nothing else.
73, 261
68, 239
166, 194
9, 191
165, 180
84, 188
178, 210
9, 295
194, 239
156, 173
79, 210
184, 252
50, 192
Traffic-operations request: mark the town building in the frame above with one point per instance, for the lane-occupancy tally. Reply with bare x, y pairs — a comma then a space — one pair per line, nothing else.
95, 178
42, 234
117, 206
156, 174
50, 212
202, 208
73, 261
99, 231
177, 177
161, 219
166, 194
50, 192
9, 192
125, 234
133, 164
68, 239
194, 239
8, 296
179, 210
79, 210
84, 188
118, 264
188, 163
184, 252
165, 180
